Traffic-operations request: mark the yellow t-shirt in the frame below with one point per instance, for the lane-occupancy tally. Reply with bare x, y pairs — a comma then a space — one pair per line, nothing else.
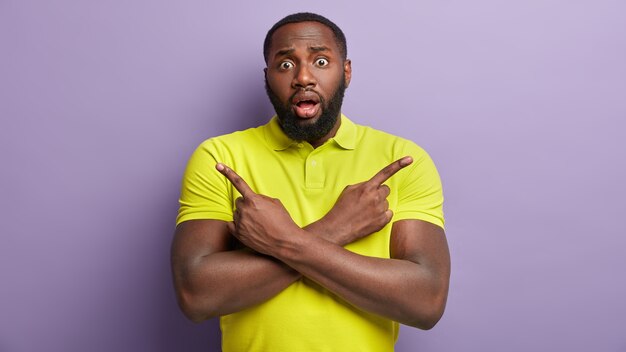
305, 316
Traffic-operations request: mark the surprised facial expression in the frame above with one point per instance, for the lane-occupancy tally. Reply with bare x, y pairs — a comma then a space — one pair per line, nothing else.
305, 78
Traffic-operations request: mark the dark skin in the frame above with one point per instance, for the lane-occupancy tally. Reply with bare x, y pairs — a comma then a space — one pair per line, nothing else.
215, 275
306, 57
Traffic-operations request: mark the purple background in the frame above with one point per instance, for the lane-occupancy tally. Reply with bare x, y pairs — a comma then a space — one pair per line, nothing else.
520, 103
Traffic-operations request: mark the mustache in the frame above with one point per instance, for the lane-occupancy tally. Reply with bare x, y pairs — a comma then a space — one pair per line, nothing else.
305, 90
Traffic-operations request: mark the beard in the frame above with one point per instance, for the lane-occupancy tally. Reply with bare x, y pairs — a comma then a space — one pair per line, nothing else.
303, 130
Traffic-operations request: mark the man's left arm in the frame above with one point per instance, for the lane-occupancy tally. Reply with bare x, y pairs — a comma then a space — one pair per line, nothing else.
410, 288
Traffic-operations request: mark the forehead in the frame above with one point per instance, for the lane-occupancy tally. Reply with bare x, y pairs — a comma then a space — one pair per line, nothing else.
303, 33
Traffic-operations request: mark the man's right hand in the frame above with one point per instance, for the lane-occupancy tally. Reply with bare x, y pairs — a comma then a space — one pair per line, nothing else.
361, 209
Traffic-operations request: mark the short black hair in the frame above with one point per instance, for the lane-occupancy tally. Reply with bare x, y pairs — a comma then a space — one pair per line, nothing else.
307, 17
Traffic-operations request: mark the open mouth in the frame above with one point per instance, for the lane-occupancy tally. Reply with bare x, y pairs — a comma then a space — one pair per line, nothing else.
306, 105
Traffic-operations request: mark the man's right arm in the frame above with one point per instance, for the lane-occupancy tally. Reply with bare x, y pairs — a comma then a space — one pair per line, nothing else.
212, 278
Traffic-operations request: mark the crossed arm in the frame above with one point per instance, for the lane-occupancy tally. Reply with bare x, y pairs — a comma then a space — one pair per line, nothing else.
215, 274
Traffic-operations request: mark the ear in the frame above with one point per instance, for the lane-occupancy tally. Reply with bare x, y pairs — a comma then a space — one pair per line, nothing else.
347, 70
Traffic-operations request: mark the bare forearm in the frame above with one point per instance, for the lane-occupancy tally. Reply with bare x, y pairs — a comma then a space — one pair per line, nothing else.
397, 289
227, 282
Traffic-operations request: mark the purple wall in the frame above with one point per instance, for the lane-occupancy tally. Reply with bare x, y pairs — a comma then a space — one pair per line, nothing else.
522, 105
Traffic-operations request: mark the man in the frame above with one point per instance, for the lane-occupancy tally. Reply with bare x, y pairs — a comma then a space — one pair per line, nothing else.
310, 233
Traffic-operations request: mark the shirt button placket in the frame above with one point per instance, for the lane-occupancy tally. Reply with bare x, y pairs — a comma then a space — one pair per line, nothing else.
314, 172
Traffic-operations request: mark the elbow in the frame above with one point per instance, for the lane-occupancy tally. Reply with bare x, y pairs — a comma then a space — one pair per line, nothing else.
192, 307
427, 322
427, 317
194, 303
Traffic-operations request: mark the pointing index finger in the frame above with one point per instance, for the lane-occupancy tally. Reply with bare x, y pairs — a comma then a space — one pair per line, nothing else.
390, 170
235, 179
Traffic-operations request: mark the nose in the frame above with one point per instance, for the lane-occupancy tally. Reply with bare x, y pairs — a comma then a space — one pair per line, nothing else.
303, 78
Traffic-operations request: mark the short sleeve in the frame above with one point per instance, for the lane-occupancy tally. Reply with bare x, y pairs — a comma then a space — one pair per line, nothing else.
204, 193
420, 194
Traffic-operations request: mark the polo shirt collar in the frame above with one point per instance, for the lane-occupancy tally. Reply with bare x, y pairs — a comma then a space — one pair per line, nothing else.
346, 134
278, 140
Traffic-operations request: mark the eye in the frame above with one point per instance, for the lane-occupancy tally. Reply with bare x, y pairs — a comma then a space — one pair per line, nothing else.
321, 62
285, 65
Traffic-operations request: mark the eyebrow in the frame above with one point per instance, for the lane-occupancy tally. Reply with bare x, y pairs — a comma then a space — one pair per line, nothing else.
284, 52
315, 49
